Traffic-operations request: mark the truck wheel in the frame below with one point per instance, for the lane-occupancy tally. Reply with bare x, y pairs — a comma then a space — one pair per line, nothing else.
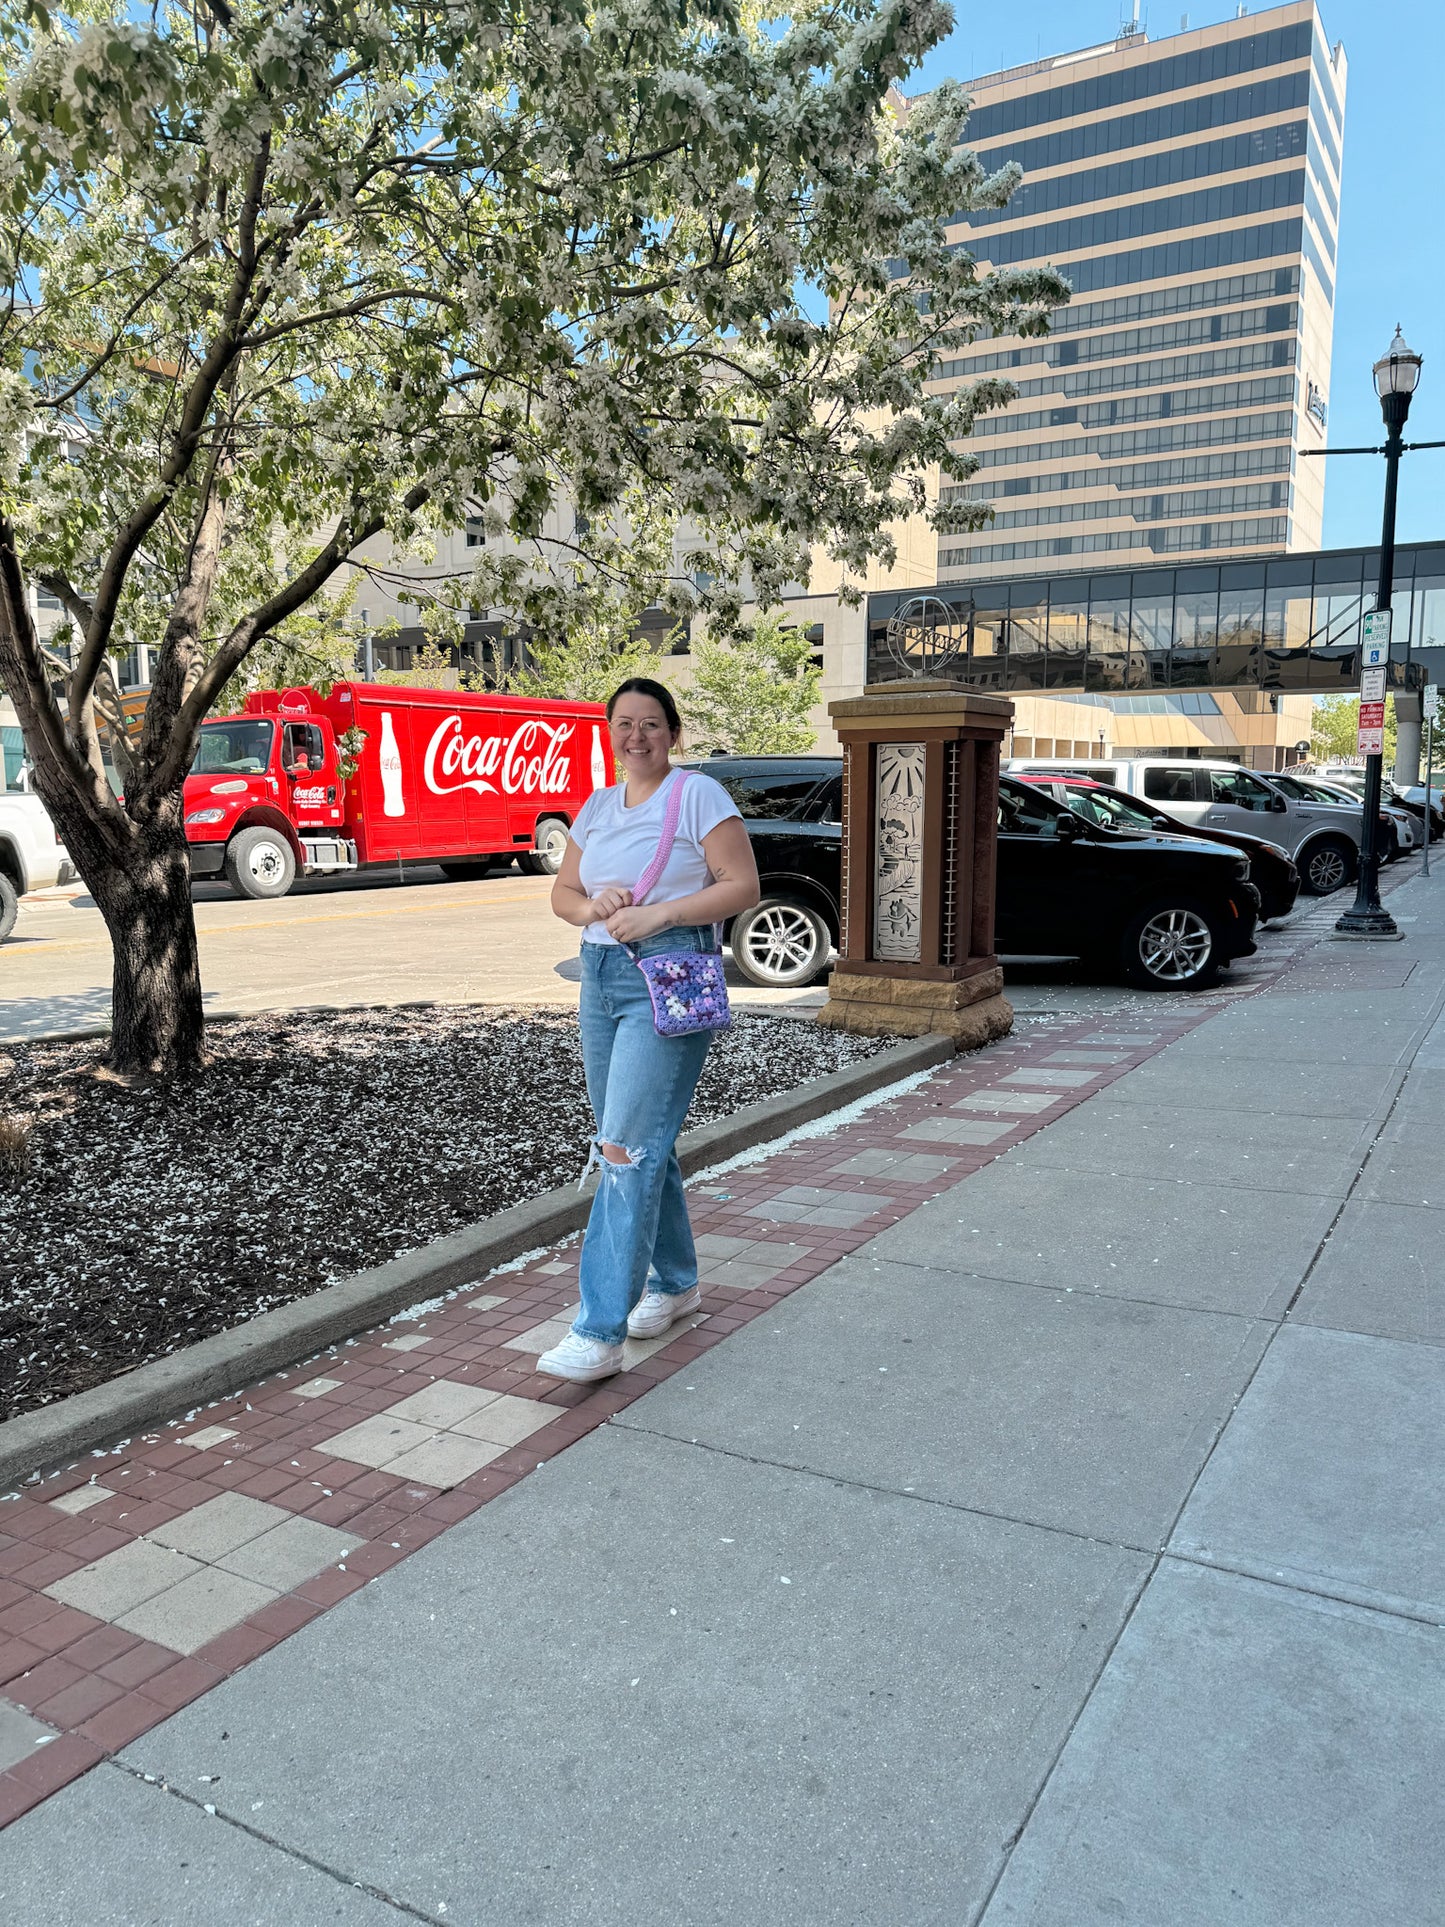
9, 907
1171, 945
546, 859
260, 863
1328, 866
780, 944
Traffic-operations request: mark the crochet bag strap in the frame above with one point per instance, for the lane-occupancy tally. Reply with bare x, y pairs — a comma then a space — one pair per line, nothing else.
648, 880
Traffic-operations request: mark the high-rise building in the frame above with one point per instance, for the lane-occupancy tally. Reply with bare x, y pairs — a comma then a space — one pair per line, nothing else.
1189, 191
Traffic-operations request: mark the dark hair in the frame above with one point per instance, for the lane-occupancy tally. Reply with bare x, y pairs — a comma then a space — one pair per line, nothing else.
645, 686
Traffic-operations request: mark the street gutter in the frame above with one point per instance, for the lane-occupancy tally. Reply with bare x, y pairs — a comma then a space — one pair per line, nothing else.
147, 1396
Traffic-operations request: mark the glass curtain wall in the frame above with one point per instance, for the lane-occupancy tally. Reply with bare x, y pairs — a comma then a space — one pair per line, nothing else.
1280, 623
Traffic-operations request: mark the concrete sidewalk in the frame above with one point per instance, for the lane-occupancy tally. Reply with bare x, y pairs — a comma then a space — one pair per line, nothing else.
1069, 1554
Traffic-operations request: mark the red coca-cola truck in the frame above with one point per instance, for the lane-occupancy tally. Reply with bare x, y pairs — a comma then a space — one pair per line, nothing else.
312, 785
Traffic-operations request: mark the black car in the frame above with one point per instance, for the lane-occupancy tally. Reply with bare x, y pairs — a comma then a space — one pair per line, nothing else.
1271, 872
1162, 910
793, 809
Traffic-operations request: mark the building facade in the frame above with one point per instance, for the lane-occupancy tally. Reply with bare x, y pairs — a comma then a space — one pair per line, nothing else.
1189, 191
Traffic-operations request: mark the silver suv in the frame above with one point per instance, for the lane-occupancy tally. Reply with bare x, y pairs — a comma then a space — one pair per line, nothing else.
1323, 838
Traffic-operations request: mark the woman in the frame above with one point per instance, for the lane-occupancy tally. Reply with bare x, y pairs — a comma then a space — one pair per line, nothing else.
639, 1267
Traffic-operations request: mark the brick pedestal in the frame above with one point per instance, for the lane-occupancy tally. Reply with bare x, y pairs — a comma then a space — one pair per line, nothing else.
920, 810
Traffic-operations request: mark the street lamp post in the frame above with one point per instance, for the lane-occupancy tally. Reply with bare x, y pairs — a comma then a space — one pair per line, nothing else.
1397, 375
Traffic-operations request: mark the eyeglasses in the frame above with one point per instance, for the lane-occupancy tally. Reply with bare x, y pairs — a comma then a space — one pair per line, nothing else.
625, 725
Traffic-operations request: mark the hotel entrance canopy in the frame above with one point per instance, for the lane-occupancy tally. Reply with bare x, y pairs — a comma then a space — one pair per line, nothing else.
1285, 622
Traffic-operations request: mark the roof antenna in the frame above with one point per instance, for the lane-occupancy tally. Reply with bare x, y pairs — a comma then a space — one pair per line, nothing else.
1129, 26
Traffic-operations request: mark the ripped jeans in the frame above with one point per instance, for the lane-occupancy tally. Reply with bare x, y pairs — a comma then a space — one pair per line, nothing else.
640, 1086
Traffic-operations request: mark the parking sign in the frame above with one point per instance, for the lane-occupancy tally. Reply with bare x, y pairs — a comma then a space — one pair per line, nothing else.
1375, 639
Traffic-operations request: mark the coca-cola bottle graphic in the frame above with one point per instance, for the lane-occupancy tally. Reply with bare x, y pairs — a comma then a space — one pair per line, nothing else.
393, 803
599, 759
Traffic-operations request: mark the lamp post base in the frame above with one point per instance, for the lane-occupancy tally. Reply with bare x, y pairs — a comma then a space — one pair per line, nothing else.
1373, 925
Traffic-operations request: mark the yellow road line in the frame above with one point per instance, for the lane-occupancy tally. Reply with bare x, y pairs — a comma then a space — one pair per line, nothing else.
287, 923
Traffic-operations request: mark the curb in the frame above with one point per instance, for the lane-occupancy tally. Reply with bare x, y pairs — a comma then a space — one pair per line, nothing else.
147, 1396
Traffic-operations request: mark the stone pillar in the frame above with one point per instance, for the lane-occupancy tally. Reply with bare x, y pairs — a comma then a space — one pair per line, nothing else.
1408, 722
920, 820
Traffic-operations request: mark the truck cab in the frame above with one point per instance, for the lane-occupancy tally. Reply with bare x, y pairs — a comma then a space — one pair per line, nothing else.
265, 797
32, 856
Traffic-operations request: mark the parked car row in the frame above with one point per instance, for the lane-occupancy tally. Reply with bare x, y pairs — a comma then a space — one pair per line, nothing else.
1320, 834
1166, 909
1346, 778
1272, 873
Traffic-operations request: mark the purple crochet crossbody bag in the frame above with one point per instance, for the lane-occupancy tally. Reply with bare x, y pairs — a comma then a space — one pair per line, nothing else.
687, 988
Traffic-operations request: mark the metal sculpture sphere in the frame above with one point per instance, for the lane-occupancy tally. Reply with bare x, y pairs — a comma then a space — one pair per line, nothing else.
926, 636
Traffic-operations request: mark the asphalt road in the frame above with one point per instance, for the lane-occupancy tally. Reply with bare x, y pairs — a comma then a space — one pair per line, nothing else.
391, 938
382, 939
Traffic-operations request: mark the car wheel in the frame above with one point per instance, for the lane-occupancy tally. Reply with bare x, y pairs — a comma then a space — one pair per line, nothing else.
546, 859
780, 944
260, 863
1171, 945
9, 907
1328, 866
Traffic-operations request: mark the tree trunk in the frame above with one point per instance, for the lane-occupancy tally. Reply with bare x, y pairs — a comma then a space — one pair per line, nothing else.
132, 856
157, 1020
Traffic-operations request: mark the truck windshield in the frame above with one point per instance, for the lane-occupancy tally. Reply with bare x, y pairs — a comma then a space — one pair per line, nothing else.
234, 749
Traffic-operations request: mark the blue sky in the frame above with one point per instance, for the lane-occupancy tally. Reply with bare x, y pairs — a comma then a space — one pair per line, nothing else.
1392, 216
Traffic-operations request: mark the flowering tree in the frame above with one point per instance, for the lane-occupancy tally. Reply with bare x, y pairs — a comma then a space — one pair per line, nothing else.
286, 278
751, 691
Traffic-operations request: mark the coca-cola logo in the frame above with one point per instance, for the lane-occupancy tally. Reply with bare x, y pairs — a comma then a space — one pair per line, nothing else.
532, 761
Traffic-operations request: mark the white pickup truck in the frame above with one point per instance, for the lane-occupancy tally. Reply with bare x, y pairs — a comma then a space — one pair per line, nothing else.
32, 856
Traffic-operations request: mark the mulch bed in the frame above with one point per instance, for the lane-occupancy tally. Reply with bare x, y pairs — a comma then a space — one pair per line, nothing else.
313, 1147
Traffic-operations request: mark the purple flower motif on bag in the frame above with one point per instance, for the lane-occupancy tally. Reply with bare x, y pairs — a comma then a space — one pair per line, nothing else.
688, 992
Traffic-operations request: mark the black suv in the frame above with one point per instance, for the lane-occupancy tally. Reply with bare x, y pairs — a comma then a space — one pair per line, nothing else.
793, 809
1163, 912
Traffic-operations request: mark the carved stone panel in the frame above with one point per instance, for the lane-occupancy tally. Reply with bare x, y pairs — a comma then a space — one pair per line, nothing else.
898, 860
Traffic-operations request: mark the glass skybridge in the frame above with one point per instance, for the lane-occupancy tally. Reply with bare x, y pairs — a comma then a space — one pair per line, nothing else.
1285, 622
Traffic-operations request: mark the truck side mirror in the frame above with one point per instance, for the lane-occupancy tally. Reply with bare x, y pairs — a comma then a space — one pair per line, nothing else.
1278, 805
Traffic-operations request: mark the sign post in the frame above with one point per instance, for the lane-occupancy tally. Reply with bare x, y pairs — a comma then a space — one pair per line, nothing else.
1367, 917
1430, 701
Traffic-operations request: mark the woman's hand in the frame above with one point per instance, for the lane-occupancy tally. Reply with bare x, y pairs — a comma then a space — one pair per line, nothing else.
607, 903
632, 924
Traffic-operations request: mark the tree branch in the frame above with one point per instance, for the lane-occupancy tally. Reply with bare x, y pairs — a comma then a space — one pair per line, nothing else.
108, 353
185, 442
250, 629
22, 666
360, 306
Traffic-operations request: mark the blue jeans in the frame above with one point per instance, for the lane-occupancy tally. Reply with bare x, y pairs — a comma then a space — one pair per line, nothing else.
640, 1086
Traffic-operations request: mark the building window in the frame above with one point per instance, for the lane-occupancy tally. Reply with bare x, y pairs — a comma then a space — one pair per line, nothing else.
1203, 208
1173, 74
1176, 121
1263, 147
1197, 255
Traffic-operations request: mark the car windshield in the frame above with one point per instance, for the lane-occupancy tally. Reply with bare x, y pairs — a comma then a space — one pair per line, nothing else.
232, 749
781, 794
1098, 806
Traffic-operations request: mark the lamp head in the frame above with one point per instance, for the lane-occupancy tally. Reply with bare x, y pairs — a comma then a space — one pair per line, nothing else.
1397, 372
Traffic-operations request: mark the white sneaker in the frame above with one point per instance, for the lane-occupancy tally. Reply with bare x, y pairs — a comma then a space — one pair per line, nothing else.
657, 1311
581, 1359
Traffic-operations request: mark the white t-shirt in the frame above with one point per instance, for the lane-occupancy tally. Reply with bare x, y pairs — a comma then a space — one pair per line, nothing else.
618, 843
